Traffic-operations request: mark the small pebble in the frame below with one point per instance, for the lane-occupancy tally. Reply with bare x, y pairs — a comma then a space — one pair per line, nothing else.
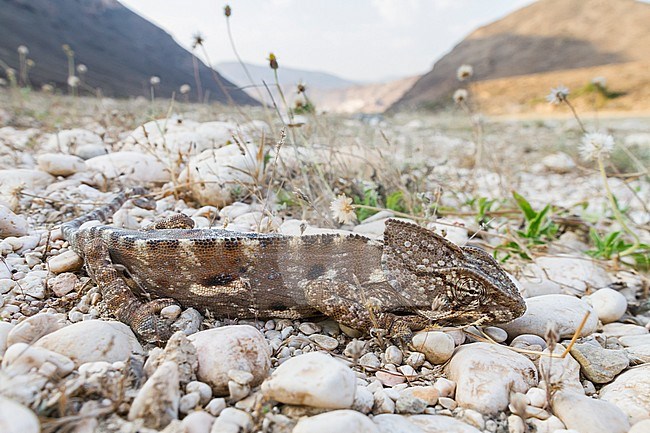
393, 355
171, 312
215, 406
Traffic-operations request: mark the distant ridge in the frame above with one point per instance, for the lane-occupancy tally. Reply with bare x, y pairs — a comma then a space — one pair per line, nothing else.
234, 72
121, 49
549, 35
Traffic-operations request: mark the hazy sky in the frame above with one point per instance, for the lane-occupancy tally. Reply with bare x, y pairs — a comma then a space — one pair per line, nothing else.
361, 40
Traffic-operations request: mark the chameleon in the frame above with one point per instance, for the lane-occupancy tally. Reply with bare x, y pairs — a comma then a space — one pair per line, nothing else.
409, 281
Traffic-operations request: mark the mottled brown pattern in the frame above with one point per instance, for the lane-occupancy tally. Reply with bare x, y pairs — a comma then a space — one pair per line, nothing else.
412, 280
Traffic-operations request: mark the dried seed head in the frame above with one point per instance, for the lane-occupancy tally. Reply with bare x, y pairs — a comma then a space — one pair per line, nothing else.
273, 61
227, 11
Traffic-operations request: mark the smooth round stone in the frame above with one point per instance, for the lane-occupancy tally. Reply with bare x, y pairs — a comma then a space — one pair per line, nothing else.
20, 358
552, 424
441, 423
641, 427
312, 379
389, 423
237, 347
93, 340
16, 418
609, 304
390, 379
58, 164
586, 414
370, 360
135, 166
188, 402
309, 328
436, 346
623, 329
526, 340
497, 334
634, 340
363, 400
428, 394
516, 424
325, 341
445, 387
67, 261
5, 329
630, 391
31, 329
565, 311
171, 312
575, 275
203, 389
537, 397
393, 355
486, 374
197, 422
336, 421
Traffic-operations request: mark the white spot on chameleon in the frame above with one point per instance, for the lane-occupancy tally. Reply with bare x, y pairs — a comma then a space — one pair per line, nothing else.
250, 247
377, 276
141, 247
187, 245
295, 241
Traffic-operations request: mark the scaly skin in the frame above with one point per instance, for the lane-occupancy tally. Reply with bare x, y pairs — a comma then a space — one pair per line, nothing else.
412, 280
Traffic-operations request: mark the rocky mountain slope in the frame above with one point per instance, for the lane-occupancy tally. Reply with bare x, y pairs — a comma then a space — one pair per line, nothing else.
549, 35
121, 49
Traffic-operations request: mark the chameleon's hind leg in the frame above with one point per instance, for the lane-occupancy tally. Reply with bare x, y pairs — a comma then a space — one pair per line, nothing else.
176, 221
142, 317
345, 303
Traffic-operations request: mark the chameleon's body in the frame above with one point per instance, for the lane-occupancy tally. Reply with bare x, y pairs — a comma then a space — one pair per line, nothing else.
407, 282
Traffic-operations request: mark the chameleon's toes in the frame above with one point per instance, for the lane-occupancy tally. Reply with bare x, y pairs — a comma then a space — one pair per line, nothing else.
149, 325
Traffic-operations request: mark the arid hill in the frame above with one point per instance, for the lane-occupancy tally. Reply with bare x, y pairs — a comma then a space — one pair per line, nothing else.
120, 49
549, 35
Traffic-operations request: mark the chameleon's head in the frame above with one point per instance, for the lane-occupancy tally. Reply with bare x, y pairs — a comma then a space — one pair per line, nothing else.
461, 285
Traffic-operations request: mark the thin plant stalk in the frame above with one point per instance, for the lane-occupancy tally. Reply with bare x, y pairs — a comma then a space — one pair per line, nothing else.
241, 62
617, 213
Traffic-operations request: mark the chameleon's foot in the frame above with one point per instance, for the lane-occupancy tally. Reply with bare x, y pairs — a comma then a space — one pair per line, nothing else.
176, 221
147, 323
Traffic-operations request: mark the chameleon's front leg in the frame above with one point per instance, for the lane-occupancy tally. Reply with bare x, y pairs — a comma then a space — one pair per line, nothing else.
142, 317
342, 302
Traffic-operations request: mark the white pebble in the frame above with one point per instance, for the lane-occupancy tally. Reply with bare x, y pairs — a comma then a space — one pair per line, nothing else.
189, 402
313, 379
171, 312
216, 405
203, 389
609, 304
436, 346
68, 261
16, 418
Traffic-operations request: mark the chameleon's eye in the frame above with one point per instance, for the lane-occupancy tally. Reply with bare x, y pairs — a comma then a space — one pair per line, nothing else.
467, 289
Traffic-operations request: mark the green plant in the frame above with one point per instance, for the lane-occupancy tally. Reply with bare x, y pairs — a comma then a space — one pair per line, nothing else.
369, 198
483, 206
612, 245
538, 226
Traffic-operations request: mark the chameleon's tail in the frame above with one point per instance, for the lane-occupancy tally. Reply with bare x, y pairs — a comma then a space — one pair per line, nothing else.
70, 229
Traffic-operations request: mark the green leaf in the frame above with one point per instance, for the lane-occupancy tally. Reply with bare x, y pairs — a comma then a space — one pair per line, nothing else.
525, 207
